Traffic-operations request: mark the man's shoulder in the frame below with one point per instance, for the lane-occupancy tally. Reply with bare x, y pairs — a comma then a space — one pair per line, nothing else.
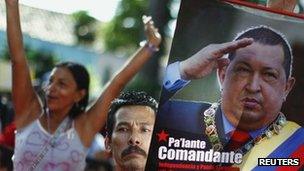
293, 128
182, 115
186, 104
182, 109
290, 132
288, 140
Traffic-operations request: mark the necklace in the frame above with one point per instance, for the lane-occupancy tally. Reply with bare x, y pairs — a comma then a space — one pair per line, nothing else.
49, 126
52, 141
211, 130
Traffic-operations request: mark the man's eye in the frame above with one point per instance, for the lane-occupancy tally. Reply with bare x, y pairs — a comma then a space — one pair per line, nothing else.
270, 76
122, 129
146, 130
242, 69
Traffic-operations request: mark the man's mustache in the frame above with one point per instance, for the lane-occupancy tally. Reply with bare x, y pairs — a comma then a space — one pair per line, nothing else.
133, 149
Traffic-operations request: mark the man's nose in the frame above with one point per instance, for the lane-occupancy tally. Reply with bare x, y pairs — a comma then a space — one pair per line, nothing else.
254, 83
134, 139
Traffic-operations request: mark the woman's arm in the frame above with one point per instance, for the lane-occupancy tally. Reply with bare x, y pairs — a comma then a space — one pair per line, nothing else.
95, 117
26, 103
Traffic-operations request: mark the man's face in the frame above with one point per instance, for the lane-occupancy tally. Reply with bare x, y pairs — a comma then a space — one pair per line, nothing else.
131, 136
254, 86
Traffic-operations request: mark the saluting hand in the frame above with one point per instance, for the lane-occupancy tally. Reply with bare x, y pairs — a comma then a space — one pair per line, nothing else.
204, 61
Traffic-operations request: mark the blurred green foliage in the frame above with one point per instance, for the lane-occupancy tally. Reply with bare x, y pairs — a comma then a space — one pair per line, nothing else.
84, 27
41, 61
125, 30
143, 83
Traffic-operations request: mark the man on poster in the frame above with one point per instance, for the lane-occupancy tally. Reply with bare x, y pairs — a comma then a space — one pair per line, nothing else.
255, 80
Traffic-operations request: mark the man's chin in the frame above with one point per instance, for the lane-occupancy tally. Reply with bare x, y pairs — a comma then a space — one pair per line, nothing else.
134, 156
135, 164
251, 120
249, 115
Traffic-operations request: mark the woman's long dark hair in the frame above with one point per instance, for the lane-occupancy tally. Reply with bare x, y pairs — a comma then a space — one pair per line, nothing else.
82, 79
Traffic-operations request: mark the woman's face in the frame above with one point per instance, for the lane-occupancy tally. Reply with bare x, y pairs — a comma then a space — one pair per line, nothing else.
62, 91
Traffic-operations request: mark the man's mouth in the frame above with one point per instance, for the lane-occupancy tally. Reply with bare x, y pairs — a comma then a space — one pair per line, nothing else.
251, 103
133, 150
133, 153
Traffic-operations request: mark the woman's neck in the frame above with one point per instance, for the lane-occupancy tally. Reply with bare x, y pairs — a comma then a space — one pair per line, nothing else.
51, 121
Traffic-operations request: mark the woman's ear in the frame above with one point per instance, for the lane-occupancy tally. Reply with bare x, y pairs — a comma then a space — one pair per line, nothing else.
80, 94
108, 144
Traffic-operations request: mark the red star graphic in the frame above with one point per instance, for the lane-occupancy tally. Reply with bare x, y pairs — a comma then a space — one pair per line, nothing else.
162, 136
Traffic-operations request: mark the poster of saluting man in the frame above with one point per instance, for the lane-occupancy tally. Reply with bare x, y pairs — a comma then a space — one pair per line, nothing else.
231, 96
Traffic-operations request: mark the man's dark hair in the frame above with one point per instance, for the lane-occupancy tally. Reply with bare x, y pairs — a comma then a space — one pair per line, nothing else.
268, 36
128, 98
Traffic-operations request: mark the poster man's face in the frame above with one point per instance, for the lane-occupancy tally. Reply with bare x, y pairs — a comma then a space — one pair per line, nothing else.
254, 86
131, 136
